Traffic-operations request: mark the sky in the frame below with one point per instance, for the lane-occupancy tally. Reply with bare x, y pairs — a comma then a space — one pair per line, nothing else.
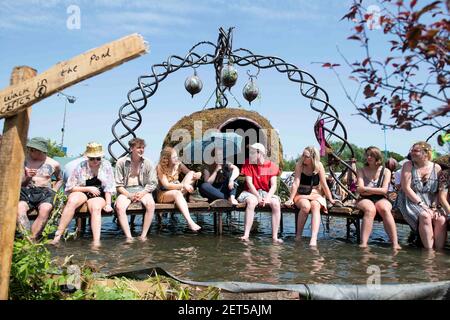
302, 32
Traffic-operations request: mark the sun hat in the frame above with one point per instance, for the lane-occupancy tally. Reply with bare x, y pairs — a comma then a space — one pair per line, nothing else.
94, 149
258, 146
38, 143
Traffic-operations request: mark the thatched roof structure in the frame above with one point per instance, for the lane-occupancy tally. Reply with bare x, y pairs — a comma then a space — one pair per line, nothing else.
241, 121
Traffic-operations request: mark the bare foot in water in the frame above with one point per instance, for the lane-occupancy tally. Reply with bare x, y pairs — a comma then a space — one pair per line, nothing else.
298, 238
396, 247
129, 240
244, 238
95, 244
195, 227
313, 243
56, 239
362, 245
277, 240
143, 238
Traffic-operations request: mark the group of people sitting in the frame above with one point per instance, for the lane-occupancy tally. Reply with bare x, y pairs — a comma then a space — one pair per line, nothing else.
135, 179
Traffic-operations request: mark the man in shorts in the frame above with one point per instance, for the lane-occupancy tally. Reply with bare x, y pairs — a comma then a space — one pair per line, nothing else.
260, 187
36, 191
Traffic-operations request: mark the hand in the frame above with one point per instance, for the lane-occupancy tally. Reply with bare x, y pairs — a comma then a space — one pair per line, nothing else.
30, 172
332, 201
197, 175
231, 185
218, 167
108, 208
94, 190
188, 188
289, 202
138, 196
261, 201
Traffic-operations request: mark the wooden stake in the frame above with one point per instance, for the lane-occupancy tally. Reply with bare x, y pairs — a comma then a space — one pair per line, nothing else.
12, 157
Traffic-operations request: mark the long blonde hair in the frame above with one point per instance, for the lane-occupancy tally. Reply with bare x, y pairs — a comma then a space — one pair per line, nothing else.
426, 148
315, 157
164, 159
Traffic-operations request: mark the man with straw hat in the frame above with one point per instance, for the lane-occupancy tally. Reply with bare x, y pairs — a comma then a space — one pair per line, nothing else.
92, 181
36, 191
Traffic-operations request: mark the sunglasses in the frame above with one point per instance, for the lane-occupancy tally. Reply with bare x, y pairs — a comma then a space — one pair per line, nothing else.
96, 158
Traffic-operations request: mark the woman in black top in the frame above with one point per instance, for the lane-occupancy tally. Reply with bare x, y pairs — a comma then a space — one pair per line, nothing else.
308, 190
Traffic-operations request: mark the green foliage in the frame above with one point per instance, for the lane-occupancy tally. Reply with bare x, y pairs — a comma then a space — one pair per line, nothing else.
54, 149
346, 155
31, 265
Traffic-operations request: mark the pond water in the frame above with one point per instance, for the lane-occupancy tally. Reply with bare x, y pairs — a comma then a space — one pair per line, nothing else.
210, 257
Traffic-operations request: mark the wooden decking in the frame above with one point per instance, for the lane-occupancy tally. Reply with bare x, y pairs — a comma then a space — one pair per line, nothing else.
218, 207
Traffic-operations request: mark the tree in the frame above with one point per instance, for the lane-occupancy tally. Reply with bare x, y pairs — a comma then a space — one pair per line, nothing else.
407, 86
54, 149
289, 165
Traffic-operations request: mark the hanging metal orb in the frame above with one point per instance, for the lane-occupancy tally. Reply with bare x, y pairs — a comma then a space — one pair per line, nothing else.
250, 91
229, 76
193, 84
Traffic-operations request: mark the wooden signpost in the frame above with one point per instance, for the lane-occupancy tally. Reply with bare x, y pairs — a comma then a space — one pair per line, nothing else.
27, 88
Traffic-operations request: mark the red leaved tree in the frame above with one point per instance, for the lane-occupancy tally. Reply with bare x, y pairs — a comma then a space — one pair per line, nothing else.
407, 85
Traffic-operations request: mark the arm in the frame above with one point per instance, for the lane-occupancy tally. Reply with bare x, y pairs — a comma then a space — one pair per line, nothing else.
210, 178
165, 182
443, 200
251, 187
443, 190
182, 168
233, 177
58, 175
152, 180
119, 176
295, 184
406, 183
108, 207
323, 183
273, 187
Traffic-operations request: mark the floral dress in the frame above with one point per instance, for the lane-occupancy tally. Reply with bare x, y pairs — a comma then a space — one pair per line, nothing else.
426, 190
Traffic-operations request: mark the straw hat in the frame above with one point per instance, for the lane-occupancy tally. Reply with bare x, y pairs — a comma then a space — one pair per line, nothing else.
94, 149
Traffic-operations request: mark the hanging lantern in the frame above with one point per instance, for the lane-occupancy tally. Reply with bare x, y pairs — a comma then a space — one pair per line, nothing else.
229, 75
250, 91
193, 84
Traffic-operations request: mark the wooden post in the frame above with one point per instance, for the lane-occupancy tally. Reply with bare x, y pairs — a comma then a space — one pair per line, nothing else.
15, 101
12, 156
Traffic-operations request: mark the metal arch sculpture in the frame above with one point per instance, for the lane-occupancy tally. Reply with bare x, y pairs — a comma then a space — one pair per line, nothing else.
327, 122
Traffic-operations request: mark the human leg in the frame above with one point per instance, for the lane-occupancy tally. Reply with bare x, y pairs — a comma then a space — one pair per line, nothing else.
369, 210
149, 205
122, 203
23, 223
315, 222
305, 206
276, 218
44, 211
440, 231
207, 190
251, 203
175, 196
384, 208
75, 200
426, 230
95, 206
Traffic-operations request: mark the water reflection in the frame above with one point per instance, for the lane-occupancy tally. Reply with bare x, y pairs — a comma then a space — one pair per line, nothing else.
210, 257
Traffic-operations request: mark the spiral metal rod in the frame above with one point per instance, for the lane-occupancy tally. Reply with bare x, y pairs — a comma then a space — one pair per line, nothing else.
130, 118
